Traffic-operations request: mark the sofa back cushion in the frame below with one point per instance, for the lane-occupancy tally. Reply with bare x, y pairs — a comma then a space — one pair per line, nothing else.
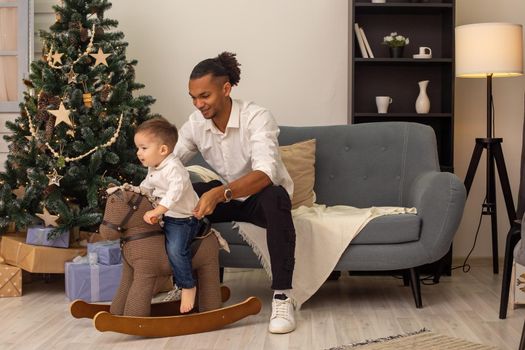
365, 165
299, 160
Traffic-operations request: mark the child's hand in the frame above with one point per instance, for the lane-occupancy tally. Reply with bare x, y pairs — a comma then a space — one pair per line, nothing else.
150, 217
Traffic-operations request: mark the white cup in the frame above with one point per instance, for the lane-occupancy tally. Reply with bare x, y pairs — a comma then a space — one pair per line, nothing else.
425, 51
382, 103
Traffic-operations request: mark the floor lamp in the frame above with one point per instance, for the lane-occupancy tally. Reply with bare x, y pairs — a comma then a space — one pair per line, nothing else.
490, 50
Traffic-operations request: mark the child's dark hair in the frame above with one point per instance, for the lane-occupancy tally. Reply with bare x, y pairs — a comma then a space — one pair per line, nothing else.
162, 129
224, 65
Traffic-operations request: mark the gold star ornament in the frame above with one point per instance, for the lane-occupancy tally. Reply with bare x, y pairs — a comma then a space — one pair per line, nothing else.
49, 220
100, 57
54, 178
19, 192
57, 57
62, 115
71, 76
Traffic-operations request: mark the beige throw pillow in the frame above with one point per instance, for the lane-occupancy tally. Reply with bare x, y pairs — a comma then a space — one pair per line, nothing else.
299, 160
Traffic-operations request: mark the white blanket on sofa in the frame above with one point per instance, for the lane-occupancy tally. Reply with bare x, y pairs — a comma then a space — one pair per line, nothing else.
322, 235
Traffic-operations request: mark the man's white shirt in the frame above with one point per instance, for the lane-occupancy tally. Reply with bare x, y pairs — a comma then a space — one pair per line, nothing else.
248, 143
170, 182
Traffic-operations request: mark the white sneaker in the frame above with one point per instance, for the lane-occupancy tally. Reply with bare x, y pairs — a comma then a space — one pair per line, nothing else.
282, 319
173, 295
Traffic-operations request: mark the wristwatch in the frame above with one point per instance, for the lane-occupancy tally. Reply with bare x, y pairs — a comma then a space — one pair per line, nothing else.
228, 195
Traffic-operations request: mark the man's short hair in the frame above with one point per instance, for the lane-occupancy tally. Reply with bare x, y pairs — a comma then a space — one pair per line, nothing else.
161, 129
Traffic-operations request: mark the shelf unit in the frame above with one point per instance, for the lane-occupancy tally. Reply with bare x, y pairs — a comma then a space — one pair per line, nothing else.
427, 23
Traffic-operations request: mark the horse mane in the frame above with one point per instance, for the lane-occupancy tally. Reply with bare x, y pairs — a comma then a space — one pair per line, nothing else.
131, 188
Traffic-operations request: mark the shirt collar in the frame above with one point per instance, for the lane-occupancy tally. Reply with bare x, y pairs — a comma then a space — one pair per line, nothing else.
165, 161
233, 121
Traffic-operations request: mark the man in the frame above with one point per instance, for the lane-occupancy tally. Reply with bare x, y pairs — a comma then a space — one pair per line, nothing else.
239, 140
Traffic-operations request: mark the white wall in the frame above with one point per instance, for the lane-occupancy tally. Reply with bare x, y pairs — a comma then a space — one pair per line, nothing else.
293, 53
470, 114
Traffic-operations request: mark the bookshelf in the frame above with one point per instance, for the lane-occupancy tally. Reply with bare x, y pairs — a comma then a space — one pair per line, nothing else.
427, 23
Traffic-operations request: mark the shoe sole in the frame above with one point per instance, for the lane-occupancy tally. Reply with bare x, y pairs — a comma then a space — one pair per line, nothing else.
281, 331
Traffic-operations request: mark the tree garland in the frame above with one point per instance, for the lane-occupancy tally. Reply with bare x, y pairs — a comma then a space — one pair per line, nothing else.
89, 49
57, 155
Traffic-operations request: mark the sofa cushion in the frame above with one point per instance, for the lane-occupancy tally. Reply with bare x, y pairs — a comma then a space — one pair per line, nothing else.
390, 229
299, 160
229, 233
386, 229
200, 173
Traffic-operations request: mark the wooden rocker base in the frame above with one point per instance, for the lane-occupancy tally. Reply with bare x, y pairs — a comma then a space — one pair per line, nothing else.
169, 326
81, 309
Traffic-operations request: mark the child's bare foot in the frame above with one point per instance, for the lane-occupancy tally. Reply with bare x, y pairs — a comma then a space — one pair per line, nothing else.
187, 299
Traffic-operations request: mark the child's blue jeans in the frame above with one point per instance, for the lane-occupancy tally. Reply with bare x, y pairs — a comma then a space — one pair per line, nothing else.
179, 235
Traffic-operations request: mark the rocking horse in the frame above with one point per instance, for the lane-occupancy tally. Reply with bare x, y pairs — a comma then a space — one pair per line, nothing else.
146, 270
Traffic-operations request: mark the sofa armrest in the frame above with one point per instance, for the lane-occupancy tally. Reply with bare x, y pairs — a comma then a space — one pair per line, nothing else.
440, 199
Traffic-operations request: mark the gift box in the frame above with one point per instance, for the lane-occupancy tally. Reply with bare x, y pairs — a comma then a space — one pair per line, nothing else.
10, 281
518, 284
11, 227
92, 282
38, 259
37, 235
108, 252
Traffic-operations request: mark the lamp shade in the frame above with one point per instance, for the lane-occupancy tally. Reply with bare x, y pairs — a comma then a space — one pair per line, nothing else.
489, 48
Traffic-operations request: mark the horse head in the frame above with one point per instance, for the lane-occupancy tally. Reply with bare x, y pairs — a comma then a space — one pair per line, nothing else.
123, 216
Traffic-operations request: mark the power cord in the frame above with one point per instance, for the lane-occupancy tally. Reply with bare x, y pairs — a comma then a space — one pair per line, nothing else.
466, 267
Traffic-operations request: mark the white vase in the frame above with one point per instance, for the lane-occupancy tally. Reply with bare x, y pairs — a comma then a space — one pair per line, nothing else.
423, 102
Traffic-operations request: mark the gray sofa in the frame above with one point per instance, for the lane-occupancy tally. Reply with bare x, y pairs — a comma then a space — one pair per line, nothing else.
378, 164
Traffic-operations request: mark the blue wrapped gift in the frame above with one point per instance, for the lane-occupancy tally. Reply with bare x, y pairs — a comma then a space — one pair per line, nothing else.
92, 282
37, 235
108, 252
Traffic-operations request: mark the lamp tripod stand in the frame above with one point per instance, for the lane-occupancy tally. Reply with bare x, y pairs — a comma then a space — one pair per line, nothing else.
494, 157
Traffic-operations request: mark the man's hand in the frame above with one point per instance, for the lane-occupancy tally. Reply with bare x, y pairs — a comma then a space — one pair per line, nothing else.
208, 202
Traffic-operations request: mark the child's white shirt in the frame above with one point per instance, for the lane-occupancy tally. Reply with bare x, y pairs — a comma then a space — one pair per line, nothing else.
170, 183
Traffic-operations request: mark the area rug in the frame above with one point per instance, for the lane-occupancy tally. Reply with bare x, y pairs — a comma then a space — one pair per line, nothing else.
422, 339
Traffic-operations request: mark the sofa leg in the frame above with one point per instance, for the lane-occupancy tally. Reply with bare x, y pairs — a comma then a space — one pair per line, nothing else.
416, 288
406, 278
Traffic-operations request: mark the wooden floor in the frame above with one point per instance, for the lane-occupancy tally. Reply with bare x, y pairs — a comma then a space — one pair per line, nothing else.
349, 310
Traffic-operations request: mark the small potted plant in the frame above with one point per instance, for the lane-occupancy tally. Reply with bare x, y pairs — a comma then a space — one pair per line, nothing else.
395, 43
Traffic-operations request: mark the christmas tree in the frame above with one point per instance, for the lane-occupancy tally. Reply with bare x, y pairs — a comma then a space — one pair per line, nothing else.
75, 132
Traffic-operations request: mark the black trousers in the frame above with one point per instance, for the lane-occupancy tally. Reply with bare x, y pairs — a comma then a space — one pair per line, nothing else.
271, 209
